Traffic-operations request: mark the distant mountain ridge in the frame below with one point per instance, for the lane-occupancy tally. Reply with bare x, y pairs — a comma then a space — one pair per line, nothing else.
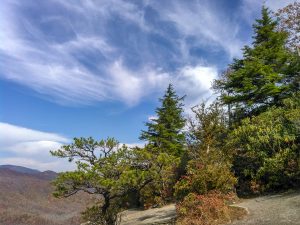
20, 169
48, 174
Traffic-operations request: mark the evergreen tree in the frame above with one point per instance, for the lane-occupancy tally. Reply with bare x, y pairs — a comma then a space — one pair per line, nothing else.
164, 134
264, 76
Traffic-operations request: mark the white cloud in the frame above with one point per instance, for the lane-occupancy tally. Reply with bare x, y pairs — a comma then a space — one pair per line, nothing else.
132, 145
53, 70
48, 68
52, 67
57, 166
209, 25
125, 83
33, 147
27, 147
195, 82
152, 117
131, 86
30, 148
105, 8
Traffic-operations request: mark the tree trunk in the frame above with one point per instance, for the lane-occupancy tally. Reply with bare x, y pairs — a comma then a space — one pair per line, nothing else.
109, 218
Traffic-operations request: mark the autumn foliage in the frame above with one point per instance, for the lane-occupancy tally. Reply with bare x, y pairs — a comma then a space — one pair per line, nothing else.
208, 209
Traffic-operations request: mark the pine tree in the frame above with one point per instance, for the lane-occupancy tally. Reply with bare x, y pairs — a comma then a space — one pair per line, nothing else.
263, 77
164, 133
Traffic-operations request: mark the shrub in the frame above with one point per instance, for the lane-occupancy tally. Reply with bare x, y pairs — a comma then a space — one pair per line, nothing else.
209, 209
267, 149
203, 178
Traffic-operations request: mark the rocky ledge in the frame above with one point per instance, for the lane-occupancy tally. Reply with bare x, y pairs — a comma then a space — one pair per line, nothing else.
165, 215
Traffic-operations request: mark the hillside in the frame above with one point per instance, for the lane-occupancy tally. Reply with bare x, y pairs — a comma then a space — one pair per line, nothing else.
20, 169
26, 199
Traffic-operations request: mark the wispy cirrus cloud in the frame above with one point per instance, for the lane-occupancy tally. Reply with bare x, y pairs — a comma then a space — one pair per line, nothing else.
121, 51
70, 53
207, 24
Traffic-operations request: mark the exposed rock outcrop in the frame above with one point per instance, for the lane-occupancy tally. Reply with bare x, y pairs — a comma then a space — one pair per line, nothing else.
165, 215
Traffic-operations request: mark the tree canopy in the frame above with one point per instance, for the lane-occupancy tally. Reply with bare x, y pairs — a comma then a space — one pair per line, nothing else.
105, 169
165, 133
265, 75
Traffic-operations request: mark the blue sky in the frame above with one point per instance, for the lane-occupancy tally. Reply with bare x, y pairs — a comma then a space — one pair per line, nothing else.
96, 68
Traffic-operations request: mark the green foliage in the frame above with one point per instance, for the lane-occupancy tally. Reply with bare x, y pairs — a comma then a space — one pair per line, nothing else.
161, 169
209, 167
208, 129
104, 169
267, 148
260, 92
165, 145
93, 215
202, 178
100, 167
265, 75
164, 133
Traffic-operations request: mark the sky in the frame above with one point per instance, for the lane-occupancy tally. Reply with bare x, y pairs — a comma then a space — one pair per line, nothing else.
81, 68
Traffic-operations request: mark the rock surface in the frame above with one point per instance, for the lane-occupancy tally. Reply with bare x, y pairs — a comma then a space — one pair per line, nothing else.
164, 215
280, 209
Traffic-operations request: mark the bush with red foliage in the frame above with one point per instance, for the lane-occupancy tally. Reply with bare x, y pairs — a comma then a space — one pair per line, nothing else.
209, 209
